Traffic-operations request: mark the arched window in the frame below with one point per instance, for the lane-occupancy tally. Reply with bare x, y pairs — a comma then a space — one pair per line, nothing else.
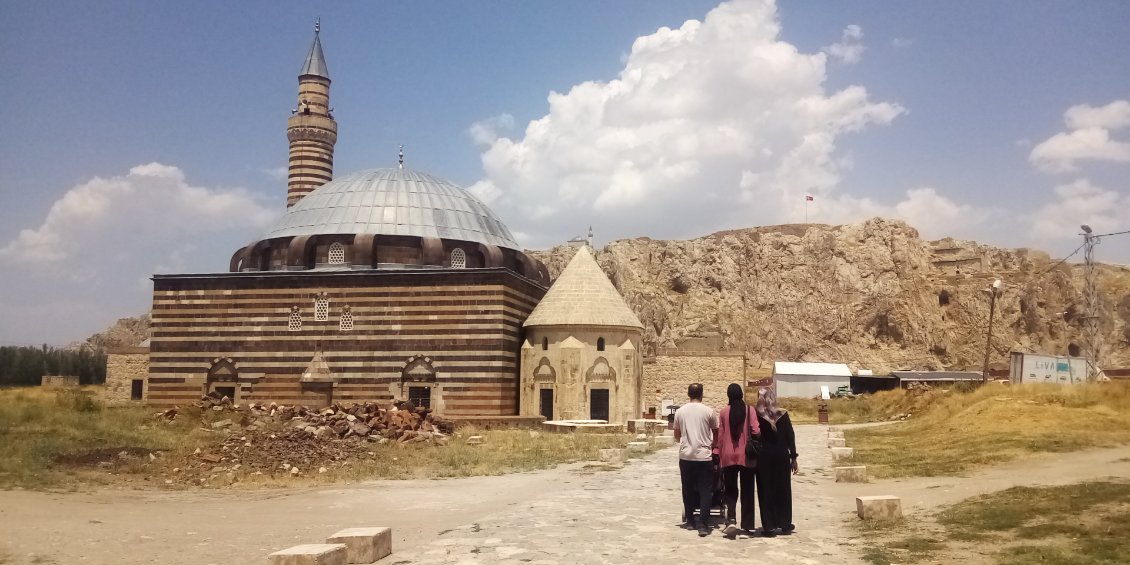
346, 324
458, 259
544, 343
337, 253
600, 344
321, 309
295, 323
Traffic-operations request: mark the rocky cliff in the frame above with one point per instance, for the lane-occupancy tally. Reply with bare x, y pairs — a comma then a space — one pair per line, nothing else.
126, 332
874, 295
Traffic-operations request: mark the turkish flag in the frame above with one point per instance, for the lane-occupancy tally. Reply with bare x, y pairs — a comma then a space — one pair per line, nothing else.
808, 198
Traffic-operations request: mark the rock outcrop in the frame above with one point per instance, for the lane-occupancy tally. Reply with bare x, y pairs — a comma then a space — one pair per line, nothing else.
874, 295
126, 332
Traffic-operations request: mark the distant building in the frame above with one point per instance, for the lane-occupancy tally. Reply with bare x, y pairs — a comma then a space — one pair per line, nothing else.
936, 378
805, 379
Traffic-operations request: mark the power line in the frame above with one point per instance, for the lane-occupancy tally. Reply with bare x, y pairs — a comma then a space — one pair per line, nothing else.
1114, 233
1062, 261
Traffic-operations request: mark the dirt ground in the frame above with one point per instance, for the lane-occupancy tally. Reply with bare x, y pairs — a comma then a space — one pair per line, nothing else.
234, 526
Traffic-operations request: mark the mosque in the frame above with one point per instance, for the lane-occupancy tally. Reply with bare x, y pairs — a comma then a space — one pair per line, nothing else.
388, 284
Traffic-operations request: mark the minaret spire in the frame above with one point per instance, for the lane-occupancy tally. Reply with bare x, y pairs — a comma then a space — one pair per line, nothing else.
401, 156
311, 129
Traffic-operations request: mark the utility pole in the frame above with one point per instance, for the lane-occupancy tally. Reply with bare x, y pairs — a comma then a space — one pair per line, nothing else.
993, 291
1090, 304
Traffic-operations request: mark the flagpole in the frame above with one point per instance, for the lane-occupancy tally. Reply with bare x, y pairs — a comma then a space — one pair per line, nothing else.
806, 210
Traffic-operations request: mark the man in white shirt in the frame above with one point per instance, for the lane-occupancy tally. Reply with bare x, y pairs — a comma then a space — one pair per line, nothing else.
695, 426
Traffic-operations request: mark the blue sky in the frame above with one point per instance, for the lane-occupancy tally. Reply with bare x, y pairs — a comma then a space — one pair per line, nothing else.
145, 137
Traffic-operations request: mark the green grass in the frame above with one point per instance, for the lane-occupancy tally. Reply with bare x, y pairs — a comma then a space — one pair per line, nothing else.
1085, 523
958, 431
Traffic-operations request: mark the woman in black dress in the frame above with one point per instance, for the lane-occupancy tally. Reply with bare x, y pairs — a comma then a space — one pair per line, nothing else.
775, 464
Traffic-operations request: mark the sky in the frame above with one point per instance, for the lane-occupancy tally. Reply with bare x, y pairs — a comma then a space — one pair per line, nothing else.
149, 137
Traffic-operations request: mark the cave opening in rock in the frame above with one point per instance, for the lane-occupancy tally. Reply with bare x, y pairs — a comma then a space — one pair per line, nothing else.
944, 298
1073, 350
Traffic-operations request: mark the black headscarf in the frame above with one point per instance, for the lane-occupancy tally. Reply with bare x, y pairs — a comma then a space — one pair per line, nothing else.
737, 411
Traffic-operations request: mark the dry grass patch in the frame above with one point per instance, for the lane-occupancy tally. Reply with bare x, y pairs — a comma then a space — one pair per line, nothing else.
878, 407
49, 435
994, 424
1086, 523
52, 438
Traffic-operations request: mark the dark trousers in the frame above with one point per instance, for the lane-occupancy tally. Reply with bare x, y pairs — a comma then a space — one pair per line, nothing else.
740, 479
697, 477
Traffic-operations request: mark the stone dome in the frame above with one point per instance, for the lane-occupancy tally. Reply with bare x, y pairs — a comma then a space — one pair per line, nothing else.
397, 202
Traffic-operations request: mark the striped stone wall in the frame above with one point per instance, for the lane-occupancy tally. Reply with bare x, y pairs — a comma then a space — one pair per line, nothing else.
232, 333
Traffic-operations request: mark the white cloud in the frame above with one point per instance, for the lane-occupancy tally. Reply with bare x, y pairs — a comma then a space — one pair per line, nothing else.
113, 218
1088, 138
486, 132
714, 124
1077, 203
850, 48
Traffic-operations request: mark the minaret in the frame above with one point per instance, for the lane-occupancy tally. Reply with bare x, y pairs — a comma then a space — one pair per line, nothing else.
311, 129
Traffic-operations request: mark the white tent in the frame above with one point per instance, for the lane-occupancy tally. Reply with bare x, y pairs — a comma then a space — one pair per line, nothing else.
805, 379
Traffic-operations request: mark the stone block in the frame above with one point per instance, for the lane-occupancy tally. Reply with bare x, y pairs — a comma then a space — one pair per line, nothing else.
834, 429
835, 434
646, 426
475, 440
614, 456
842, 453
638, 446
853, 474
837, 442
883, 507
364, 545
664, 440
310, 554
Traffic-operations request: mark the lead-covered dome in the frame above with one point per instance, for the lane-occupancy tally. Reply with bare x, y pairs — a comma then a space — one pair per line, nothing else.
399, 202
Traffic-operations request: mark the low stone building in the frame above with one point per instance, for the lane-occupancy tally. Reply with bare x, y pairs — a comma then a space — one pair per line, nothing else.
581, 357
59, 380
666, 376
127, 374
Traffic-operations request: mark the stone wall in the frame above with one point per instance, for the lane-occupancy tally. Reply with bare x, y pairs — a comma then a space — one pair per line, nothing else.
59, 380
123, 366
666, 377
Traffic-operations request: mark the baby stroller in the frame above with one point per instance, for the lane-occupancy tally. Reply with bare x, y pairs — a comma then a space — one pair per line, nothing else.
718, 490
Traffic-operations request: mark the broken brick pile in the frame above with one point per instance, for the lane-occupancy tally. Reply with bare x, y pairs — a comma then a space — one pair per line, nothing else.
272, 439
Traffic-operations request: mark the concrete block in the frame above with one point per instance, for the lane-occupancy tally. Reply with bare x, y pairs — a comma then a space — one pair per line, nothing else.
842, 453
638, 446
475, 440
645, 426
853, 474
837, 442
664, 440
836, 434
614, 456
670, 433
834, 429
364, 545
310, 554
884, 507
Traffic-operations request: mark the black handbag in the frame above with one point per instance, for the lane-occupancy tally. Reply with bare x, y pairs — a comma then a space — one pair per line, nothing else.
752, 445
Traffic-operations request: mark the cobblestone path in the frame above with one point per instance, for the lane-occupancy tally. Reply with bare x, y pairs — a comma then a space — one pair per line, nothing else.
631, 515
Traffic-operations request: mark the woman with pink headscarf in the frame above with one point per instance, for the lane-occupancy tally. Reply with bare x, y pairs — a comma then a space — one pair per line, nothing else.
775, 464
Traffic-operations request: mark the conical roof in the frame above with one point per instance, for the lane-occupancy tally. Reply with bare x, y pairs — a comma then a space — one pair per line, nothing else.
315, 61
583, 296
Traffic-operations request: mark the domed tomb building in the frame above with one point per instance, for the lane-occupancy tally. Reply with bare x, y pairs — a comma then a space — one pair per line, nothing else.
581, 357
377, 285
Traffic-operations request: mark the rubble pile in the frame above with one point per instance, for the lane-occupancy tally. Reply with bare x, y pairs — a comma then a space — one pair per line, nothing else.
273, 439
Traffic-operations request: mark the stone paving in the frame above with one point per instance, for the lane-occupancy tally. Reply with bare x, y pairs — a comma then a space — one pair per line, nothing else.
631, 515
